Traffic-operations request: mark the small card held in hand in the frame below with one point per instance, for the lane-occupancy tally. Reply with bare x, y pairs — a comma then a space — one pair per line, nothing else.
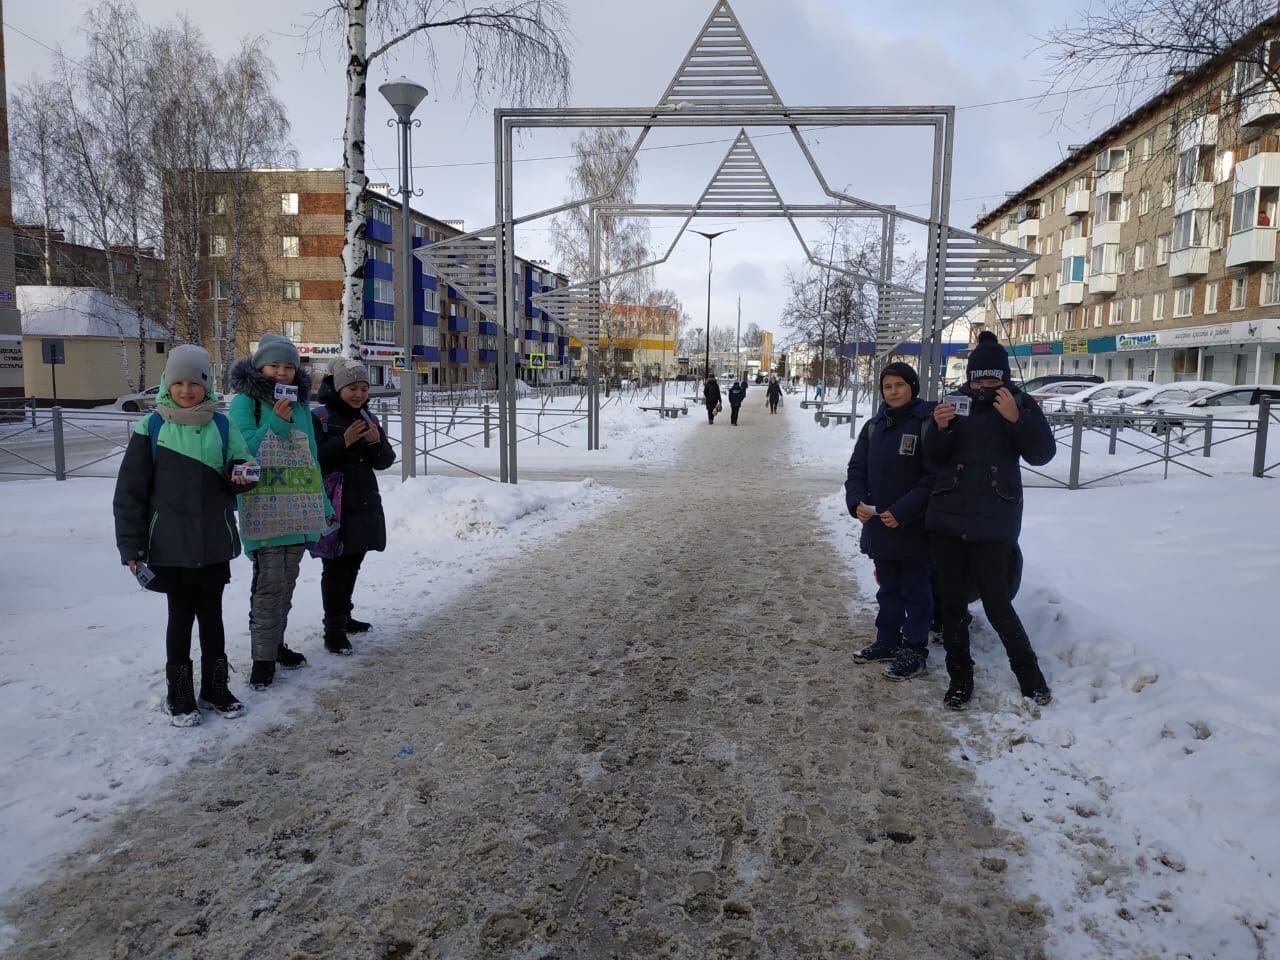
144, 575
286, 391
961, 403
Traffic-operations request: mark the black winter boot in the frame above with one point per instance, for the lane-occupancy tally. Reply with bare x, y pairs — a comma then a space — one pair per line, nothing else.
262, 674
288, 659
357, 626
959, 693
181, 699
214, 691
337, 643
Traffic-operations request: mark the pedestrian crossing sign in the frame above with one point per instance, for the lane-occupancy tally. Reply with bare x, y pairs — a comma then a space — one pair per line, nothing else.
537, 361
398, 362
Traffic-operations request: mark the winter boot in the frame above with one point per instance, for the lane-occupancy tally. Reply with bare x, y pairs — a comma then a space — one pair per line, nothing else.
906, 664
337, 643
1042, 695
288, 659
214, 691
262, 674
959, 693
357, 626
876, 651
181, 699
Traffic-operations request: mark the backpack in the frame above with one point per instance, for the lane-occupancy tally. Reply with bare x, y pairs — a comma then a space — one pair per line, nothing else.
156, 422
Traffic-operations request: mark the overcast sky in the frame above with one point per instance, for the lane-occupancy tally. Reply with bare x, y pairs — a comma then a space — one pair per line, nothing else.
817, 52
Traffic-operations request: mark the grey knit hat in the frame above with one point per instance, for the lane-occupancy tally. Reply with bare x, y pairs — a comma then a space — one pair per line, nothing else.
273, 348
346, 372
191, 363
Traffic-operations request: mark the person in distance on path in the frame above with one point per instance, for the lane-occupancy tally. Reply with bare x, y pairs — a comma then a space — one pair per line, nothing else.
975, 511
887, 490
737, 393
773, 394
711, 394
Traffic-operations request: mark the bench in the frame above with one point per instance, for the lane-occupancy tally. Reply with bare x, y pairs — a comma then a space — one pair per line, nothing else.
825, 419
806, 404
672, 412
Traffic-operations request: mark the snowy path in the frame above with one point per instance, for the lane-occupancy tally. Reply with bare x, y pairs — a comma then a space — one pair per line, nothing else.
650, 742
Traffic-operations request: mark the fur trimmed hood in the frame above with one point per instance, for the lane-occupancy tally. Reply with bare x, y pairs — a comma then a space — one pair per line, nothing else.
246, 378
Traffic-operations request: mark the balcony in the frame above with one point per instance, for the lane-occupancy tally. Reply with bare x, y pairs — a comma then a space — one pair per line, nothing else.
1024, 306
378, 231
533, 335
1078, 202
1198, 196
429, 354
1260, 170
1106, 233
548, 337
1028, 271
1103, 282
1075, 247
1004, 309
1010, 237
1189, 262
1070, 294
487, 356
1259, 105
1027, 228
1112, 182
1200, 132
458, 325
1252, 246
459, 355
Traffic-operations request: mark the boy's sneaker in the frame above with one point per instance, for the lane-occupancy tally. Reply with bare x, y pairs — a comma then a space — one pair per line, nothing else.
339, 645
289, 659
959, 693
1042, 695
358, 626
262, 674
214, 691
876, 651
905, 665
181, 695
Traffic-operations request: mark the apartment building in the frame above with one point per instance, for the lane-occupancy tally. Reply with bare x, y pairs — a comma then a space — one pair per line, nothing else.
1157, 239
300, 238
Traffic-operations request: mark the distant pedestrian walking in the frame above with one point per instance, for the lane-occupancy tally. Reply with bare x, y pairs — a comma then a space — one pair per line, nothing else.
737, 393
711, 394
975, 511
773, 394
887, 490
817, 391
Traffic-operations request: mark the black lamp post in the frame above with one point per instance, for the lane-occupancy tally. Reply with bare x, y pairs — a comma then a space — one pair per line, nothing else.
706, 355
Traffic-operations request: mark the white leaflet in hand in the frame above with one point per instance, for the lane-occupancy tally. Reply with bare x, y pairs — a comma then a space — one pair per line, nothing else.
286, 391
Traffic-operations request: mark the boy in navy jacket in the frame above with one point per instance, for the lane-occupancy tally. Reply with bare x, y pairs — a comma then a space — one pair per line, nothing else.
975, 511
887, 490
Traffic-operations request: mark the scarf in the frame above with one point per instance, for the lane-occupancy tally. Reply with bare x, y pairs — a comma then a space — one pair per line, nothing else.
196, 416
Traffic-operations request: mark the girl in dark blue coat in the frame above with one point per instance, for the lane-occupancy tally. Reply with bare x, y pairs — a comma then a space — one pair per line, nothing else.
887, 490
975, 511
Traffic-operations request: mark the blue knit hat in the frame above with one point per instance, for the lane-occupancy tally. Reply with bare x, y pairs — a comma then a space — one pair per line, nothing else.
273, 348
987, 359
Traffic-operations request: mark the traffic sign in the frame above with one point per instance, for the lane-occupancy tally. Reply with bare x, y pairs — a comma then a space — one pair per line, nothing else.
398, 362
537, 361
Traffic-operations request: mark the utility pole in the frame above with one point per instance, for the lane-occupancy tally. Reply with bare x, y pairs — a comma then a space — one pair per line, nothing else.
737, 343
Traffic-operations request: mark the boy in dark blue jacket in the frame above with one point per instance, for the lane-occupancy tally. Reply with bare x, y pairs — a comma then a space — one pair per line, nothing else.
975, 511
887, 490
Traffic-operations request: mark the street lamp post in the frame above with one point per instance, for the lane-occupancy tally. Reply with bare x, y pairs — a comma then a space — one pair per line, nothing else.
822, 353
404, 96
706, 354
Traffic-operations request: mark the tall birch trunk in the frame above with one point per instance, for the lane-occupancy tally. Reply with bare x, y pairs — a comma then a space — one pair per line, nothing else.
353, 250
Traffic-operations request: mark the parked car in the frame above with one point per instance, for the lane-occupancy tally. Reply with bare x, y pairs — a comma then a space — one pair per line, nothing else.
1161, 395
1111, 389
138, 402
1035, 383
1066, 388
1233, 403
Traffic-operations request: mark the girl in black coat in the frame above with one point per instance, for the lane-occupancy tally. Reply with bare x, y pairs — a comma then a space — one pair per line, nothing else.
350, 439
711, 394
773, 394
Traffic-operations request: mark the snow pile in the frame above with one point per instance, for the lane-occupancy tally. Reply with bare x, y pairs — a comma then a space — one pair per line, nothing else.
1145, 795
82, 653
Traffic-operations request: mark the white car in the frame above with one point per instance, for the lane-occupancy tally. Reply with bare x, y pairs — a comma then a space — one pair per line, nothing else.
138, 402
1233, 403
1063, 388
1111, 390
1161, 395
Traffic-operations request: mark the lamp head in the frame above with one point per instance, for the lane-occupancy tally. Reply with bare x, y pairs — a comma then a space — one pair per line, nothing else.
404, 96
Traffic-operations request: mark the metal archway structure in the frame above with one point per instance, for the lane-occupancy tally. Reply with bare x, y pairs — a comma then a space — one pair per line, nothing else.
722, 83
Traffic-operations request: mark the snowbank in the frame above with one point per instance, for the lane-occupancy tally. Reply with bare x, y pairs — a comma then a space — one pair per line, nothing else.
82, 655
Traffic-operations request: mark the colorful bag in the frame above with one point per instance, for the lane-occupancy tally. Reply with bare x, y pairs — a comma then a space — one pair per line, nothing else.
330, 544
289, 499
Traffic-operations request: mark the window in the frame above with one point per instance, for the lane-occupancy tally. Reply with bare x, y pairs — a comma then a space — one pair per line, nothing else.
1139, 257
1188, 229
1225, 166
1211, 297
379, 331
291, 290
1148, 145
218, 203
376, 211
1104, 259
1110, 208
1183, 298
1047, 241
289, 246
1216, 230
428, 336
431, 301
1157, 306
1048, 203
1243, 210
1072, 270
217, 246
1166, 193
1144, 201
1120, 261
380, 291
1188, 162
1110, 161
1135, 308
1162, 250
419, 231
1248, 70
1271, 287
1238, 292
1116, 312
1097, 315
293, 330
221, 288
288, 203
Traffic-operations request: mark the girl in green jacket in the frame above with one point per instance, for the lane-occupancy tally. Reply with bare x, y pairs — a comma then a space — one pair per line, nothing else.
175, 524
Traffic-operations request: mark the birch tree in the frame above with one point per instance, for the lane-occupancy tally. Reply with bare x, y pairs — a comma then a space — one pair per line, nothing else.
514, 48
35, 141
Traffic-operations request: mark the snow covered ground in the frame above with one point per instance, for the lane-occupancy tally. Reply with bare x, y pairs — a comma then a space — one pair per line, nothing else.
1145, 795
81, 656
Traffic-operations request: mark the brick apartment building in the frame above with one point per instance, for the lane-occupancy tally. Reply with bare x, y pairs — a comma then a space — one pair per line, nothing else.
1157, 239
302, 238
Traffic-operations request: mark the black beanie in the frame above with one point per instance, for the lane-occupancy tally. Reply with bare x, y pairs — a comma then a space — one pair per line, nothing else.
906, 372
987, 359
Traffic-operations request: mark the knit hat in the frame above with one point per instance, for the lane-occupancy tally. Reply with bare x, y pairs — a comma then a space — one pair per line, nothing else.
191, 363
987, 359
273, 348
346, 372
906, 372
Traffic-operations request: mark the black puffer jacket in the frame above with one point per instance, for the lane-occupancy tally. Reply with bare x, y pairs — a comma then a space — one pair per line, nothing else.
364, 527
711, 393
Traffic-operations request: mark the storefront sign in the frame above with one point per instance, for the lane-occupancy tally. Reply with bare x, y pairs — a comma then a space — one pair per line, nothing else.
1075, 346
1136, 341
386, 354
318, 349
1196, 336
